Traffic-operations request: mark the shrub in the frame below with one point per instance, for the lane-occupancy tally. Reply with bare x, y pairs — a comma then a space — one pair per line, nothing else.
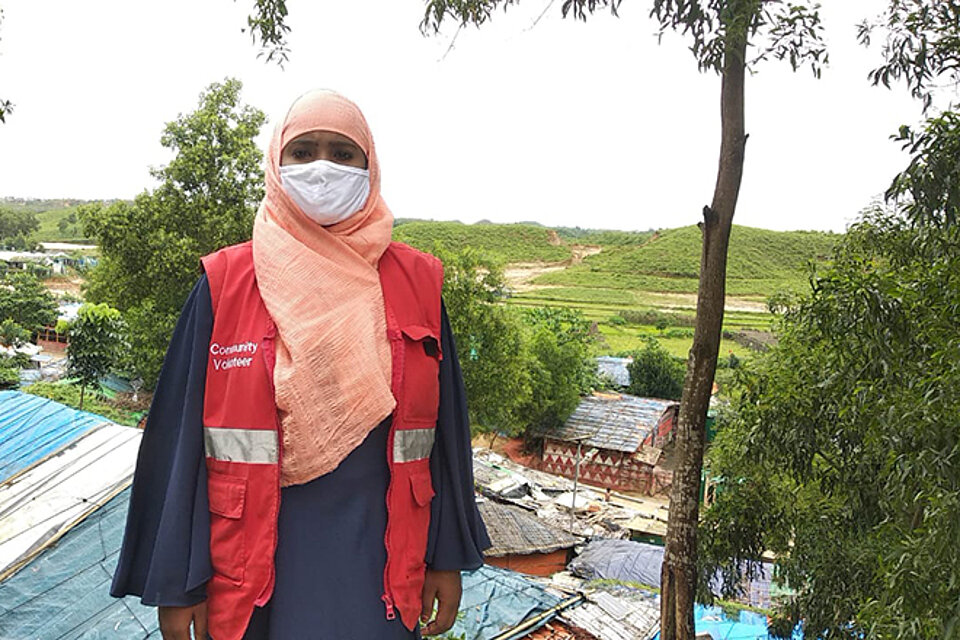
656, 318
69, 395
9, 377
654, 373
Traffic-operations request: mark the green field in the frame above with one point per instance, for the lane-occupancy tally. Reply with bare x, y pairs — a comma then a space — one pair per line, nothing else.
504, 242
619, 339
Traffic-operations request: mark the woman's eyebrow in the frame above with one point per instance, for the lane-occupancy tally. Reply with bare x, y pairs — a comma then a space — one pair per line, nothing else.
343, 143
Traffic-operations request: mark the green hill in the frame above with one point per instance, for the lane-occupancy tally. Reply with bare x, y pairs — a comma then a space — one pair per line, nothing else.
602, 237
504, 242
760, 263
57, 218
60, 225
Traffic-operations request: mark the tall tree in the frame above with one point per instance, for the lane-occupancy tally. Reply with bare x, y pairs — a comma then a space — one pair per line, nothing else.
95, 343
25, 301
16, 226
726, 37
489, 341
207, 198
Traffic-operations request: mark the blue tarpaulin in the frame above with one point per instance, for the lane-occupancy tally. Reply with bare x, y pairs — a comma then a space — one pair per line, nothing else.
623, 560
746, 626
495, 600
64, 593
33, 427
630, 561
637, 562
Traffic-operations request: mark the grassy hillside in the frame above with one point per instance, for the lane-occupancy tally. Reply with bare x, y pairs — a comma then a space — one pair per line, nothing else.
602, 237
51, 229
505, 242
622, 273
760, 263
49, 214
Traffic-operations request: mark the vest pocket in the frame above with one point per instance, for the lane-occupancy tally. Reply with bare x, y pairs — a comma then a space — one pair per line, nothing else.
421, 375
422, 487
417, 525
227, 496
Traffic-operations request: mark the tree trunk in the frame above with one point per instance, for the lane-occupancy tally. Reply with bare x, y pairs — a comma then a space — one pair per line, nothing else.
81, 396
678, 575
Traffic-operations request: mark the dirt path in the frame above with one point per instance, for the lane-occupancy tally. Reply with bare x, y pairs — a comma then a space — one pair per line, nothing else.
520, 275
60, 286
689, 301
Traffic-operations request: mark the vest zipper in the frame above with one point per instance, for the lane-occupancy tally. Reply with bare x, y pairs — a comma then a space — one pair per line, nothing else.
387, 599
270, 361
388, 602
394, 336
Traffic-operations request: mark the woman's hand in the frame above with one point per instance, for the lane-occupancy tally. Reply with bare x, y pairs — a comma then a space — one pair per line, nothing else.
444, 588
175, 622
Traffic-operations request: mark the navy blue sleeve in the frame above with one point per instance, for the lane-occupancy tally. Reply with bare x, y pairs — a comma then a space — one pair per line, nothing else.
165, 558
457, 535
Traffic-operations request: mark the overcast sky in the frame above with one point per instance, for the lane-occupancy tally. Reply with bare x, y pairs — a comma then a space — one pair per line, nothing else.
564, 123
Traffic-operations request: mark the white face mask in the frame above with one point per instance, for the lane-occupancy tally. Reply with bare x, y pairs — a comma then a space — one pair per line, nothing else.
326, 191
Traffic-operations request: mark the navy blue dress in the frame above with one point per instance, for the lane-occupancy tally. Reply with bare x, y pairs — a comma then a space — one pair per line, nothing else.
330, 553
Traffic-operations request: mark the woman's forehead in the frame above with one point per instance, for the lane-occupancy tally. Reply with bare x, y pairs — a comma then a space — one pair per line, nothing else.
324, 137
326, 111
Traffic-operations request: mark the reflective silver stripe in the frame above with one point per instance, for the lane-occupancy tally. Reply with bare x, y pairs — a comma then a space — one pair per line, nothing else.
255, 446
412, 444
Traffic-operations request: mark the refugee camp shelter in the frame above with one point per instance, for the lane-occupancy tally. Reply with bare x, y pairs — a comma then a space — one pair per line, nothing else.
522, 542
35, 261
64, 477
549, 497
620, 438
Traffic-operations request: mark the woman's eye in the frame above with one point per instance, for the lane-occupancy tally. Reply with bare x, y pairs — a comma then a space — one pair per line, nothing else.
301, 154
342, 156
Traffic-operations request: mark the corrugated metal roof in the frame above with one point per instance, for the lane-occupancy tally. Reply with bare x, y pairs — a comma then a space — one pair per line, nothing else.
515, 531
629, 615
32, 428
45, 501
618, 422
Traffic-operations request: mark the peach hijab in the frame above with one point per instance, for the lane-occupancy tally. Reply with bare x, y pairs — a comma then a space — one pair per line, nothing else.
322, 289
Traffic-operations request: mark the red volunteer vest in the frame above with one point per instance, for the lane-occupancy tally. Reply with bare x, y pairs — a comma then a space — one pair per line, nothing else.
243, 444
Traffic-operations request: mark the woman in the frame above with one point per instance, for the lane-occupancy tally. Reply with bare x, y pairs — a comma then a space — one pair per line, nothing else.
318, 359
